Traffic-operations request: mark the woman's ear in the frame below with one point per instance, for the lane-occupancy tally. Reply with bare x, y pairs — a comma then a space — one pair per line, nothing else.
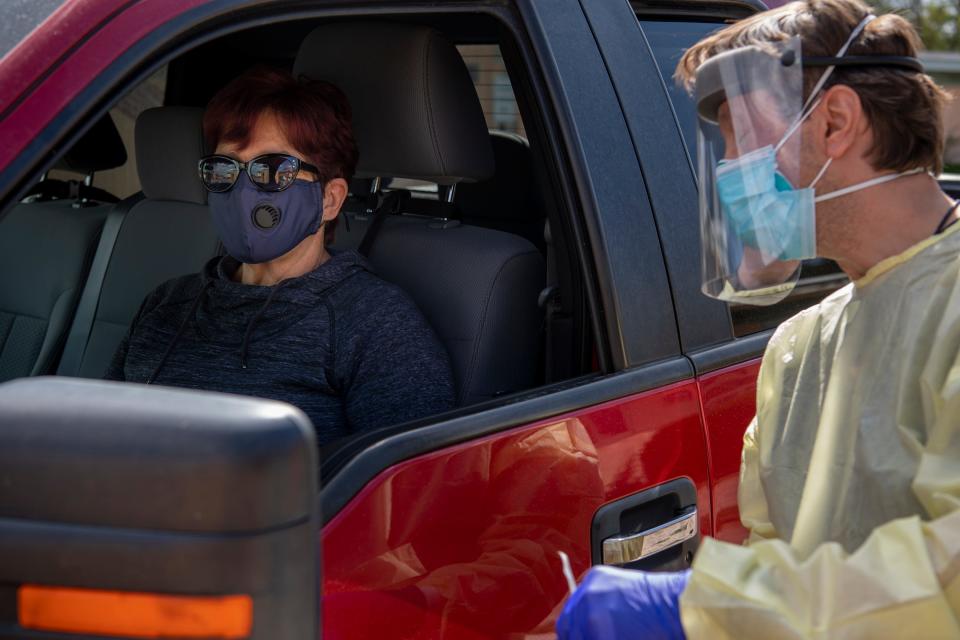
844, 119
334, 195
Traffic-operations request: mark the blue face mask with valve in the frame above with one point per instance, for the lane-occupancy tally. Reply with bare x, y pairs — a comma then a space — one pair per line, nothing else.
258, 226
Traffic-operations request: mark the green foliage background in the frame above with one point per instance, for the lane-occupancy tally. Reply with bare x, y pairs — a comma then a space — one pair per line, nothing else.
938, 21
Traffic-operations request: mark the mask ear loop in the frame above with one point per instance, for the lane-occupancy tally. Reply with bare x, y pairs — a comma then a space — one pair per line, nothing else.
869, 183
823, 170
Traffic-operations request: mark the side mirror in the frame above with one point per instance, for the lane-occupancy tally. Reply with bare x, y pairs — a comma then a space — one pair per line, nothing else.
132, 511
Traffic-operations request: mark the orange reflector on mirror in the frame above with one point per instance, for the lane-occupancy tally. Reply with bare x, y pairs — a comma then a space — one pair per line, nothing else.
134, 615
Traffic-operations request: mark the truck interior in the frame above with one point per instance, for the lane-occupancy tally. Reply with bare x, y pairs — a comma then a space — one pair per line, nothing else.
453, 157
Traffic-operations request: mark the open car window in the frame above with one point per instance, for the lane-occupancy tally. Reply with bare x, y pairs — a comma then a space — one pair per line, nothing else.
508, 332
485, 64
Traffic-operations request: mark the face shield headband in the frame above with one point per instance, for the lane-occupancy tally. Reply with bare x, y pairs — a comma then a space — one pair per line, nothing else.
756, 226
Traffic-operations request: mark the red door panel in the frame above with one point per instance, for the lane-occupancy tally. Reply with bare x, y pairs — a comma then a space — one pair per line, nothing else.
462, 543
729, 399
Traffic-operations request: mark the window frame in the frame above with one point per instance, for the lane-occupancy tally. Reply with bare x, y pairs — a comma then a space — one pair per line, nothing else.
667, 168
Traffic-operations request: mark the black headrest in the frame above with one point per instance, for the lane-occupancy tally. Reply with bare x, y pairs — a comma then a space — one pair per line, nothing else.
416, 113
99, 149
169, 143
510, 193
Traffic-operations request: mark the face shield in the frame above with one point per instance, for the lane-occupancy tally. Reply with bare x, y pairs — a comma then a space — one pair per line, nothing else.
755, 226
757, 205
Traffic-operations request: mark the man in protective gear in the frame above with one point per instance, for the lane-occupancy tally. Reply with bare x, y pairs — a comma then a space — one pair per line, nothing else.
820, 135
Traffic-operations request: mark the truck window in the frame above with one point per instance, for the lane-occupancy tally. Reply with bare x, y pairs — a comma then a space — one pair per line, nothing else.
818, 278
123, 181
485, 63
546, 340
668, 41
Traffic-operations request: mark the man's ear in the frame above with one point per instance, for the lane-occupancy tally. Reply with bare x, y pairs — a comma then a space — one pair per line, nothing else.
844, 120
334, 195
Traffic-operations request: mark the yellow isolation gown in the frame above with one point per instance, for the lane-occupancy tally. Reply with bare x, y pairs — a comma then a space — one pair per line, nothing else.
850, 480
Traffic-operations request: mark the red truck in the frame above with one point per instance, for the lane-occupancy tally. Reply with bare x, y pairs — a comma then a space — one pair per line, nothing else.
602, 397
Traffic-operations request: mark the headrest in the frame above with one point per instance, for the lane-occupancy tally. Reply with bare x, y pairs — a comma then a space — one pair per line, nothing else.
169, 143
416, 113
510, 194
99, 149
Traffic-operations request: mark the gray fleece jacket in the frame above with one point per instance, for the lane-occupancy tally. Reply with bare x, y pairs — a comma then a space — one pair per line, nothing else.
351, 350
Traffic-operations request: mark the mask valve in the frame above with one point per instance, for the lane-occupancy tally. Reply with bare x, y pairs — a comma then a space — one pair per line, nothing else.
266, 216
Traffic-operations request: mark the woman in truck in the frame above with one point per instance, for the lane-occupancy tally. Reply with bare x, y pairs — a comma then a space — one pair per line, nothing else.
283, 315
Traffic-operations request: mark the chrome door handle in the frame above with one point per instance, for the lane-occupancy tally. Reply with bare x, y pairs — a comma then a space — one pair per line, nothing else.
624, 549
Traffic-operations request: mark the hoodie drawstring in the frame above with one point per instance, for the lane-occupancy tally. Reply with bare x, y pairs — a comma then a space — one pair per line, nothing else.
180, 329
253, 322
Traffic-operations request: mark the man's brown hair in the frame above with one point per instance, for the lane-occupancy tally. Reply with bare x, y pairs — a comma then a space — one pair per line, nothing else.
903, 107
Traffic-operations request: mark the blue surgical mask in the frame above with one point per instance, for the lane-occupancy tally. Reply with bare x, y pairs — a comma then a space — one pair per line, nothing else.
258, 226
765, 210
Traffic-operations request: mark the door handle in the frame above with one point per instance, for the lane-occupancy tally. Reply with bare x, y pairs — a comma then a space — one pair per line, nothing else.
624, 549
656, 529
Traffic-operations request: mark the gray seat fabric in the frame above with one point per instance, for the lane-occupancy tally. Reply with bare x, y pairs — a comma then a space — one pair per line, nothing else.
167, 234
508, 200
45, 252
415, 111
417, 115
478, 287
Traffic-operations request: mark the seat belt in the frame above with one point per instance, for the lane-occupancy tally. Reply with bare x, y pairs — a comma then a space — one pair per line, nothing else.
558, 322
390, 204
79, 335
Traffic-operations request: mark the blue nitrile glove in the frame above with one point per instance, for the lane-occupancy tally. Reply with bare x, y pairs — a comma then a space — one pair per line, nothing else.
620, 603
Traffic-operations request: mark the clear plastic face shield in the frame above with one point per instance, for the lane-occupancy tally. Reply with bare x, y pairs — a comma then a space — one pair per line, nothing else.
755, 226
757, 199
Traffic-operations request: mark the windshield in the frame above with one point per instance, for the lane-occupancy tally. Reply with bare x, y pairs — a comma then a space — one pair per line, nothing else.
20, 17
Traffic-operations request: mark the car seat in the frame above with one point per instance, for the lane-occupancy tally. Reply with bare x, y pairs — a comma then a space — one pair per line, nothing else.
46, 245
162, 233
99, 149
416, 115
508, 200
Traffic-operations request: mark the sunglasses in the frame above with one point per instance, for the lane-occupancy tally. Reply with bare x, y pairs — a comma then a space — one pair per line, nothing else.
269, 172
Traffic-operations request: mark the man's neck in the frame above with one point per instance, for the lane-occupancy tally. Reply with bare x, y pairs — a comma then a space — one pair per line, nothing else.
869, 226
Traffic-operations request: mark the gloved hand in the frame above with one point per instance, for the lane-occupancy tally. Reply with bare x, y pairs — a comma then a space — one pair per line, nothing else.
619, 603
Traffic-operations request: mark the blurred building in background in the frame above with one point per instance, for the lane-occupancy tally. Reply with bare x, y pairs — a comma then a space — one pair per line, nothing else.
493, 86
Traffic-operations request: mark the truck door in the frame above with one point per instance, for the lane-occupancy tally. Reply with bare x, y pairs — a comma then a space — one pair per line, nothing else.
453, 529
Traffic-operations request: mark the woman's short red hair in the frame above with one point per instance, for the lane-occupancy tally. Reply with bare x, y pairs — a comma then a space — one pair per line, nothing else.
315, 116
